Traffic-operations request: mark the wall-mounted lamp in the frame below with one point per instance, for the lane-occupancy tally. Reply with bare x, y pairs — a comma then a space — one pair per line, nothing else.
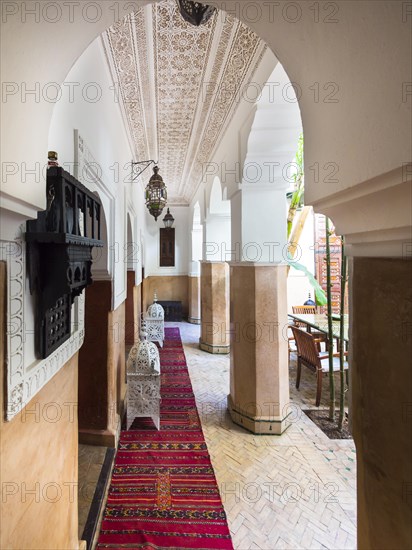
156, 194
156, 191
168, 220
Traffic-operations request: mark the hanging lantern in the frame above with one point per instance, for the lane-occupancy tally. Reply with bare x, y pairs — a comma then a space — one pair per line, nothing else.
156, 194
195, 13
168, 220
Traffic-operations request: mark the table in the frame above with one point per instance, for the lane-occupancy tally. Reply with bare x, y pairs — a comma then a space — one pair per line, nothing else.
319, 321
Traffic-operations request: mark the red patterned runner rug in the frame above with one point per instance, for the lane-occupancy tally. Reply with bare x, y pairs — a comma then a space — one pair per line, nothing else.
163, 492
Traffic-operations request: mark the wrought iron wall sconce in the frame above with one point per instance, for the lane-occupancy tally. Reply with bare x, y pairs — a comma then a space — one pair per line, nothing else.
139, 167
59, 254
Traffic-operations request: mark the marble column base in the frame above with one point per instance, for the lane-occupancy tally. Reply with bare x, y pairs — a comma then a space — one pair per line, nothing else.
194, 301
101, 438
217, 349
194, 321
259, 425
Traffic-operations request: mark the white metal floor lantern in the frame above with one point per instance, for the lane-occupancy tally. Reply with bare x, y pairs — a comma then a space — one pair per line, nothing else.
143, 381
155, 322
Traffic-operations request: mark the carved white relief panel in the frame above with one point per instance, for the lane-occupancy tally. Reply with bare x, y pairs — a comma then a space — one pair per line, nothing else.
26, 375
179, 85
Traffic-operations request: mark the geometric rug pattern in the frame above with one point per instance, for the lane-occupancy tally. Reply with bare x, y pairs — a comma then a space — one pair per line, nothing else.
163, 491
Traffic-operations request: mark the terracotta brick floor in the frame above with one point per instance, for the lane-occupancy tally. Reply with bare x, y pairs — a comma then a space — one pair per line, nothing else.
293, 491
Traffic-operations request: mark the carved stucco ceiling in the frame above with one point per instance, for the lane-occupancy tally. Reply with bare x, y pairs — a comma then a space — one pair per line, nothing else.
179, 87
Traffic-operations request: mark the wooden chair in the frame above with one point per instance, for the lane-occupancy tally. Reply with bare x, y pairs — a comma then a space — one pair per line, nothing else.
304, 309
309, 356
319, 336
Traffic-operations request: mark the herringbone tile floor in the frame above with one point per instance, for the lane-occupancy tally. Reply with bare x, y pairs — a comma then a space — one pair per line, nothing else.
294, 491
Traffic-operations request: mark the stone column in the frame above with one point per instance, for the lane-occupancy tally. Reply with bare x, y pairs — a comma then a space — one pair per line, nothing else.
102, 385
381, 395
194, 294
259, 380
215, 307
259, 375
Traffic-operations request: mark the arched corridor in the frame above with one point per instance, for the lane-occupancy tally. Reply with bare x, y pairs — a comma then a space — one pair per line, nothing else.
107, 85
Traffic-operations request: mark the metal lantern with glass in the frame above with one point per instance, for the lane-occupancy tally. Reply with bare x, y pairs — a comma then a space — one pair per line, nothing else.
156, 194
195, 13
168, 220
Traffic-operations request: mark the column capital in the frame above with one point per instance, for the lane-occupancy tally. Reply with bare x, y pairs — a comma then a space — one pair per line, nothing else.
276, 184
217, 215
258, 264
194, 268
212, 262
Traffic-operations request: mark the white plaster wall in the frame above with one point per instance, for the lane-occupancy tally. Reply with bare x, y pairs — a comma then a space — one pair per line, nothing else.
236, 225
135, 192
217, 244
217, 203
183, 228
97, 117
263, 225
217, 238
298, 285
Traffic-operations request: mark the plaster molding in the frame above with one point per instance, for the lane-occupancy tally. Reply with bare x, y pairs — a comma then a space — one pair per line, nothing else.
131, 209
398, 176
277, 184
361, 213
18, 206
112, 70
217, 216
101, 275
165, 274
24, 381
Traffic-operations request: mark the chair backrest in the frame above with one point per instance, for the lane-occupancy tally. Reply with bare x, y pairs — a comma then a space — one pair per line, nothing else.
304, 309
306, 346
